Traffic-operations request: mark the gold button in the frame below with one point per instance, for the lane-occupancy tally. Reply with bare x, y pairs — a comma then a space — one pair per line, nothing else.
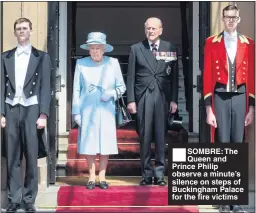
218, 73
30, 92
36, 73
34, 83
244, 73
217, 67
244, 62
244, 68
217, 62
7, 84
218, 78
9, 93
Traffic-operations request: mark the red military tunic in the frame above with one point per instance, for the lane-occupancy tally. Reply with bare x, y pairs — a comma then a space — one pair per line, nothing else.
216, 68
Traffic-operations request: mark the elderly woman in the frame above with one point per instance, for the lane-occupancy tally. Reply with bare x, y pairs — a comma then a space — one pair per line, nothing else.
98, 83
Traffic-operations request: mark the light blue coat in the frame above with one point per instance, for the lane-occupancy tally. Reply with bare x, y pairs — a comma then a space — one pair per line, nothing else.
97, 133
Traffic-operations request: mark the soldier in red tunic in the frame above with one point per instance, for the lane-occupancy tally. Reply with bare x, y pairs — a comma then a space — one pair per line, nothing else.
228, 83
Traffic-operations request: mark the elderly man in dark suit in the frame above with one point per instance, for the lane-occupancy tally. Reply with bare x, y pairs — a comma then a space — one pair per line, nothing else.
25, 103
152, 90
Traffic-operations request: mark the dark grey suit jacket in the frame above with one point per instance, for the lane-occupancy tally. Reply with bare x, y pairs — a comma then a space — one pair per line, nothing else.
144, 71
37, 81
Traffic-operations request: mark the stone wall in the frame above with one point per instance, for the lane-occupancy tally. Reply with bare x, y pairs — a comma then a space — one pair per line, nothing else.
36, 12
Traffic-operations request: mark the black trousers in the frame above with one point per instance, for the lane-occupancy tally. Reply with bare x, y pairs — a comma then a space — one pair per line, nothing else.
21, 138
152, 111
230, 110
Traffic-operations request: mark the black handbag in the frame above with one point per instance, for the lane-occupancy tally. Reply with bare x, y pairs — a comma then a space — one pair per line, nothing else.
174, 122
123, 116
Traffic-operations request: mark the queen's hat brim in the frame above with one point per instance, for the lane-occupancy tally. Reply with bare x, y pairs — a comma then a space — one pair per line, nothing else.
108, 47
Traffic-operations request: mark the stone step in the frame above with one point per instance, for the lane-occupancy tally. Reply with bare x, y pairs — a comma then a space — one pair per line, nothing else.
130, 150
128, 134
125, 151
116, 167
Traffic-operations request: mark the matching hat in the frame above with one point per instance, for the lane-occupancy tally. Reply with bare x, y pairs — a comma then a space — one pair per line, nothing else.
97, 38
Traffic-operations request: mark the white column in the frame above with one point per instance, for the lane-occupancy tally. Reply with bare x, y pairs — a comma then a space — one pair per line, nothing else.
62, 95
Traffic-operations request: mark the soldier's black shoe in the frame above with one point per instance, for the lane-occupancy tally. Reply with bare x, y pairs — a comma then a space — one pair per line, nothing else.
13, 207
159, 181
238, 209
224, 209
30, 208
146, 181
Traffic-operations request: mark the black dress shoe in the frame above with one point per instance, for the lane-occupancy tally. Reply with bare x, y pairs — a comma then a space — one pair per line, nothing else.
224, 209
146, 181
159, 181
29, 207
238, 209
103, 185
13, 207
90, 185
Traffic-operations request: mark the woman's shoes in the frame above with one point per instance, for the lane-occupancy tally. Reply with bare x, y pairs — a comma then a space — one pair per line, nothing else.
90, 185
103, 185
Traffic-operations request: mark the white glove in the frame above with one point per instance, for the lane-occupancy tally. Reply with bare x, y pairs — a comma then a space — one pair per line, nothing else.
108, 94
77, 119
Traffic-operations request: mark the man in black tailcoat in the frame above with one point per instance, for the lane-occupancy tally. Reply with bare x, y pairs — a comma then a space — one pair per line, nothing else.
25, 103
152, 92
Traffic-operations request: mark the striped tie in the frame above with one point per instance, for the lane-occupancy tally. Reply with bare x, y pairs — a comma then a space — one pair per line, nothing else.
154, 49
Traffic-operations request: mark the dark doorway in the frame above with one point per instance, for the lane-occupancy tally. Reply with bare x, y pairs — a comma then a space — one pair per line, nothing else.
123, 23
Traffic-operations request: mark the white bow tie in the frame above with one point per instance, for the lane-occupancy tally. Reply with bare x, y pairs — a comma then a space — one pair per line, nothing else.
21, 50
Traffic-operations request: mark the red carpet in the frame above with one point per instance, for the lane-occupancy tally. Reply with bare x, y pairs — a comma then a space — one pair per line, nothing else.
114, 196
117, 199
170, 209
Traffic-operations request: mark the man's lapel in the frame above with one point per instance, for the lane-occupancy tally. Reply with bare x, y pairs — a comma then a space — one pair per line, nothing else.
9, 62
221, 49
149, 56
242, 42
32, 65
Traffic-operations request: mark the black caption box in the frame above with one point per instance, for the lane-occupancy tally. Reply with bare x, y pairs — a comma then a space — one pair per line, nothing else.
208, 174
